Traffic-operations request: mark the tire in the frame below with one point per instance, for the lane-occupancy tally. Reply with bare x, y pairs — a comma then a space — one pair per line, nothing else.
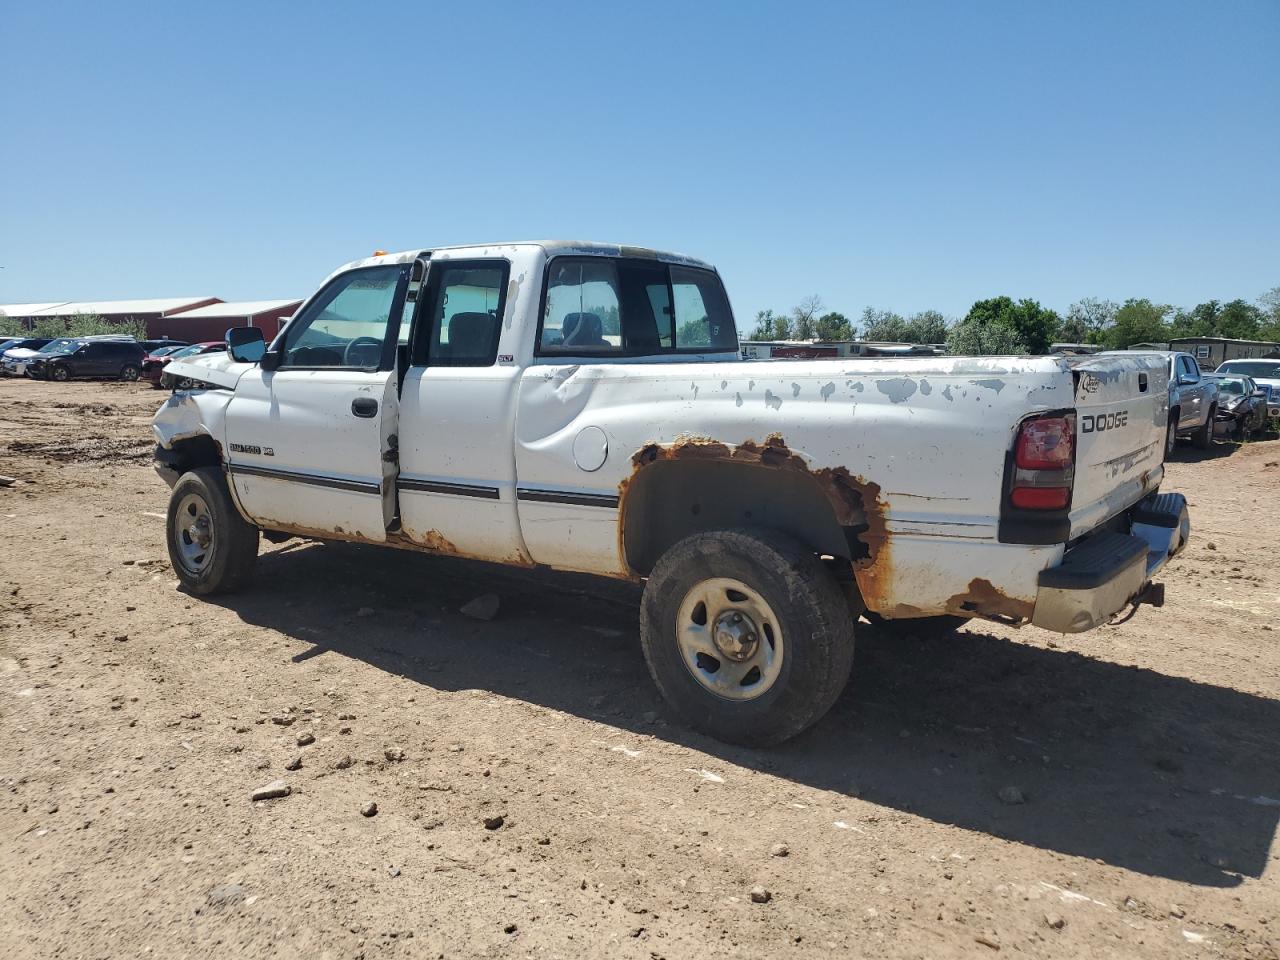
1203, 435
794, 617
166, 382
924, 628
129, 372
200, 507
59, 373
1171, 436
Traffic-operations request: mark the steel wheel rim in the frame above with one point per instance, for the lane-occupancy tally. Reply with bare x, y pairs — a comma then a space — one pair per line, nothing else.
129, 373
193, 533
716, 619
59, 373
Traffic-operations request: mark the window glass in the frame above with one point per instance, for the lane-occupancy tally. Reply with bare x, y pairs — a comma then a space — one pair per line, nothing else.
582, 313
347, 325
702, 315
466, 317
633, 307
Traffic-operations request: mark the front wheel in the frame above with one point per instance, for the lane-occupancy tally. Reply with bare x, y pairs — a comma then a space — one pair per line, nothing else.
1203, 436
1171, 436
60, 373
211, 547
746, 635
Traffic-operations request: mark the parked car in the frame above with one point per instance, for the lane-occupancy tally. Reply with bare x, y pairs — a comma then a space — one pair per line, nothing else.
1266, 374
74, 359
164, 343
153, 367
1242, 406
583, 407
15, 353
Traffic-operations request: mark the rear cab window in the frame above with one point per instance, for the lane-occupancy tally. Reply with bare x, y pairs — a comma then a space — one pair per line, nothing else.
631, 307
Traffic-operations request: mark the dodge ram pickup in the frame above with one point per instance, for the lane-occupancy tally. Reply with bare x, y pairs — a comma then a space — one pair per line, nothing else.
584, 407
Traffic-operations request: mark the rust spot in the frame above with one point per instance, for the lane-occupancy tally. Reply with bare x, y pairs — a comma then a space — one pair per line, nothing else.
984, 600
855, 500
433, 542
437, 542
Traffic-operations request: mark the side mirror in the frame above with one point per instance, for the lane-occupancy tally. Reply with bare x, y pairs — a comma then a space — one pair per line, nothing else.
246, 344
1260, 394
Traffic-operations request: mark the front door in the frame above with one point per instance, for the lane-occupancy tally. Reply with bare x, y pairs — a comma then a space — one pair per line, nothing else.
309, 445
88, 361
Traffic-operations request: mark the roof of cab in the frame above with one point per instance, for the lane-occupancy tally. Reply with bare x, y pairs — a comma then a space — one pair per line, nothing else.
586, 248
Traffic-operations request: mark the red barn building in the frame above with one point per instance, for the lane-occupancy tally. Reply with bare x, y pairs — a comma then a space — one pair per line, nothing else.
212, 321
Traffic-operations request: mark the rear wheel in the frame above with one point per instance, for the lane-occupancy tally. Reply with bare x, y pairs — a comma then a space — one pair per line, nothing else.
746, 634
1203, 436
129, 372
211, 547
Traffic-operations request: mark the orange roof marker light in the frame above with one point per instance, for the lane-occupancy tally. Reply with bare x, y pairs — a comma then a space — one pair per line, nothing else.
379, 253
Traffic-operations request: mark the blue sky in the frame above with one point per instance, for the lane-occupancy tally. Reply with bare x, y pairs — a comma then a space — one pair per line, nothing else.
901, 155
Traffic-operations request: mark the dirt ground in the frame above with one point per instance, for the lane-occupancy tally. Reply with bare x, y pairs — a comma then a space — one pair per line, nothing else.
136, 721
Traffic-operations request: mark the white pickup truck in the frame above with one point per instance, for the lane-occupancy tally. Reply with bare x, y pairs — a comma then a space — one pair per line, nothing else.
583, 406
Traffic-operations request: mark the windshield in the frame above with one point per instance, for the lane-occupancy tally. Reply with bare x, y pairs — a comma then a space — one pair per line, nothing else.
164, 351
6, 344
1231, 386
1269, 369
62, 346
190, 351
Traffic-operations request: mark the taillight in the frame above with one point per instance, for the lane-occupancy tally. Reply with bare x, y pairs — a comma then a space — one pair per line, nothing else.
1046, 443
1044, 457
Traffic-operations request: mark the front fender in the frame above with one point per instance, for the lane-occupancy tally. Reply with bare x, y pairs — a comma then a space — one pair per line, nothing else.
185, 416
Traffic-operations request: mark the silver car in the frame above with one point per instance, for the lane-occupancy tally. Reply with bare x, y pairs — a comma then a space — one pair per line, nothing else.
1266, 374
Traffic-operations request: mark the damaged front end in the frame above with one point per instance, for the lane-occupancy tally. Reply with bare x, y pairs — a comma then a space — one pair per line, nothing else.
186, 428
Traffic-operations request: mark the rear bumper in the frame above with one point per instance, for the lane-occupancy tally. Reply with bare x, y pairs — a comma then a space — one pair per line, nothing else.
1101, 575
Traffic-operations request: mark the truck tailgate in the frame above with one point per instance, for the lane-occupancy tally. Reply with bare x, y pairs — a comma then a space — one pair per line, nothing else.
1122, 409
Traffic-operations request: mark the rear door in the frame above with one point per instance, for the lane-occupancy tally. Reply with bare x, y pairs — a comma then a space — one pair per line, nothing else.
1122, 412
457, 482
309, 445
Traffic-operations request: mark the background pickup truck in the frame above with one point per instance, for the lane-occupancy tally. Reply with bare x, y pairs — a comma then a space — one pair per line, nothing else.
584, 407
1193, 402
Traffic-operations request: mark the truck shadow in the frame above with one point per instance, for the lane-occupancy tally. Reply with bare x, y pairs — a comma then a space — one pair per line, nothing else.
1153, 773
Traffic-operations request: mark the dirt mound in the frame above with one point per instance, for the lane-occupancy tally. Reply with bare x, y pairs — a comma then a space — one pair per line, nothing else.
86, 449
88, 409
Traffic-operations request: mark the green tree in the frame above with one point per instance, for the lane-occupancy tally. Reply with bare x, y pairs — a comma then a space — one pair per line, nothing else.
1138, 321
10, 326
1086, 319
1270, 304
771, 326
1200, 321
833, 326
1035, 326
983, 337
87, 325
883, 325
1239, 320
927, 326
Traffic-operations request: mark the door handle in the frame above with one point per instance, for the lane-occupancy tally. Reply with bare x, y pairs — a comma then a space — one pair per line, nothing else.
364, 407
